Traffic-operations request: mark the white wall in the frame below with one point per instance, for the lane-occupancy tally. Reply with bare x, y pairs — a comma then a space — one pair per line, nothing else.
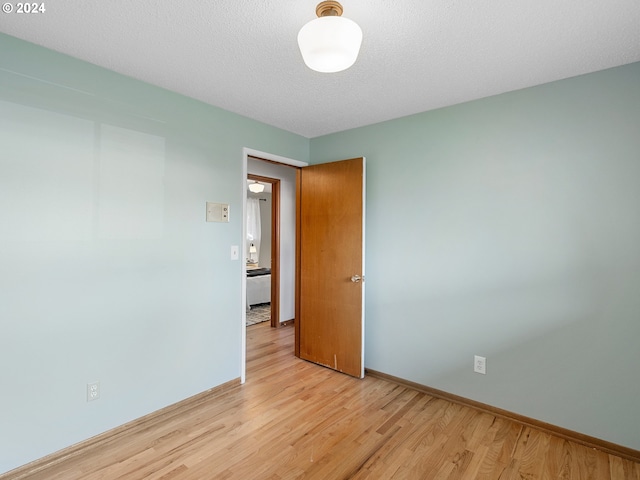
287, 177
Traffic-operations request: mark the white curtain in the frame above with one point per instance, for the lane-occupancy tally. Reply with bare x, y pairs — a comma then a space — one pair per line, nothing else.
253, 227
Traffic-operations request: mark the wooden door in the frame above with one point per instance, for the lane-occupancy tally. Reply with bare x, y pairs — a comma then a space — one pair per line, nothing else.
330, 328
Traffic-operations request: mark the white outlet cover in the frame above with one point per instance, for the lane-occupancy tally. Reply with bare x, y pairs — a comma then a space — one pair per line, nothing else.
93, 391
480, 364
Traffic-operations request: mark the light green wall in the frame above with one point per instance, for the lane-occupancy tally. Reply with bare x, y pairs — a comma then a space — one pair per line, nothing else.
108, 271
510, 228
507, 227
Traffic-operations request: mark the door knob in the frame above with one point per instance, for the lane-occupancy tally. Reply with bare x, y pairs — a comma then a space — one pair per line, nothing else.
356, 278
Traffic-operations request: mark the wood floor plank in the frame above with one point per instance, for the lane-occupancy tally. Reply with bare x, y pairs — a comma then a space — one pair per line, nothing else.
293, 419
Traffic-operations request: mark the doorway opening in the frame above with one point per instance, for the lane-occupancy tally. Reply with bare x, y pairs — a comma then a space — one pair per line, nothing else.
263, 255
268, 168
326, 271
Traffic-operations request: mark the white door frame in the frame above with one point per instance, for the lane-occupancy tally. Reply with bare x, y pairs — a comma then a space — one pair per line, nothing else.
246, 153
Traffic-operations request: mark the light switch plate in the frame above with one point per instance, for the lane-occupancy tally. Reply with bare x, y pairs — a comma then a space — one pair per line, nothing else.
235, 252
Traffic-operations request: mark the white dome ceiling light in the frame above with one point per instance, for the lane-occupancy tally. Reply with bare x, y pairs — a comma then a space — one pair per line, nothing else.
256, 187
330, 43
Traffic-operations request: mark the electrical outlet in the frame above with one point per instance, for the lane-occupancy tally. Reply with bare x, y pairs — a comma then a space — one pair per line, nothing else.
480, 364
93, 391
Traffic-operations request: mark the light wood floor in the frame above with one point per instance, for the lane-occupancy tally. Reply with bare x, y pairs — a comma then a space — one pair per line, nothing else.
293, 419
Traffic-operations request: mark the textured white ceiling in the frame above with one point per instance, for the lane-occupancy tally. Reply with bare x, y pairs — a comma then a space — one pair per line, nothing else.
416, 55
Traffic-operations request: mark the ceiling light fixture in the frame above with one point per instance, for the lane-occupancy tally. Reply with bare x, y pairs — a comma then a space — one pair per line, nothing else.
256, 187
330, 43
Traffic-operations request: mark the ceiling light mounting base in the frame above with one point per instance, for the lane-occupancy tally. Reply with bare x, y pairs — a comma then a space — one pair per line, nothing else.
329, 9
